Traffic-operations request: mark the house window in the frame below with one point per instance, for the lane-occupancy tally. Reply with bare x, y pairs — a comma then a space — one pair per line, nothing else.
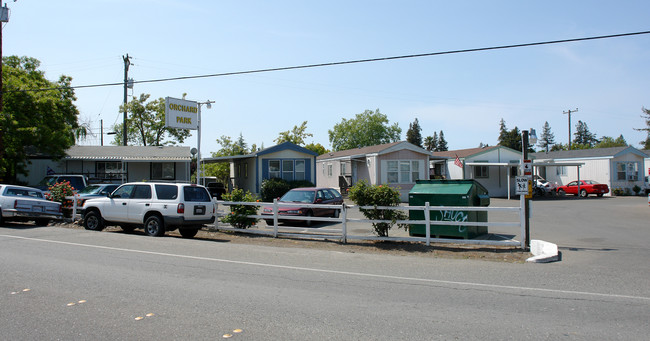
627, 171
560, 170
514, 171
393, 172
274, 169
163, 171
246, 170
343, 168
300, 170
415, 171
329, 169
105, 169
481, 172
287, 170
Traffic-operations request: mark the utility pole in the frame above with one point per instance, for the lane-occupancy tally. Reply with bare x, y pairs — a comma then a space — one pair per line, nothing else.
569, 113
4, 17
127, 62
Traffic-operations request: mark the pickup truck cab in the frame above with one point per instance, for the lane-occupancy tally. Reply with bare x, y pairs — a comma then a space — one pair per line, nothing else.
19, 203
155, 206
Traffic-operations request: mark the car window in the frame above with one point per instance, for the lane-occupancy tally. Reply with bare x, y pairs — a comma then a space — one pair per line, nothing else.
298, 196
124, 192
166, 192
335, 193
573, 183
108, 189
328, 195
196, 194
20, 192
92, 189
142, 192
75, 182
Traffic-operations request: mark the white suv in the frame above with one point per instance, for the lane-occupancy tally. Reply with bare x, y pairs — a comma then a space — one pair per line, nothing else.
156, 206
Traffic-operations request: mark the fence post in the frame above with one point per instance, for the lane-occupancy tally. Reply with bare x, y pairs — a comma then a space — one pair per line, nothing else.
275, 218
522, 220
427, 221
344, 222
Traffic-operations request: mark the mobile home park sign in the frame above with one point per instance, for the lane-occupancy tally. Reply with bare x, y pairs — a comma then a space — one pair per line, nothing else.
181, 114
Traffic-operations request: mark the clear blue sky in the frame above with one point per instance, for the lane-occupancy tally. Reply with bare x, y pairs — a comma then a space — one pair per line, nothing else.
465, 95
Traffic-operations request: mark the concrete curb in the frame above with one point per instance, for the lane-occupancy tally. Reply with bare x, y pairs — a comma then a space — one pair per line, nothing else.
543, 252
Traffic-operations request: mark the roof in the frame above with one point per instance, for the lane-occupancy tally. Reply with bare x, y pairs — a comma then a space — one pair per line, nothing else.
274, 149
129, 153
462, 153
588, 153
376, 149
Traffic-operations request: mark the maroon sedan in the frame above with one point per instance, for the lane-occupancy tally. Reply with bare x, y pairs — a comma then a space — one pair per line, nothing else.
306, 195
586, 187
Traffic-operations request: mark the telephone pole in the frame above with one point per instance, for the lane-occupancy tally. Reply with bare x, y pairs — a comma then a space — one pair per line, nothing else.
127, 62
569, 113
4, 17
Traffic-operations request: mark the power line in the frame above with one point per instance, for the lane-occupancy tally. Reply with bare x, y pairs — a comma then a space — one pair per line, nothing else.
358, 61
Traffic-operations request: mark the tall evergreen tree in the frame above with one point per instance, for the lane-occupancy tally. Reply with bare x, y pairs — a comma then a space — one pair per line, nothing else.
646, 143
583, 137
442, 143
414, 134
509, 138
547, 138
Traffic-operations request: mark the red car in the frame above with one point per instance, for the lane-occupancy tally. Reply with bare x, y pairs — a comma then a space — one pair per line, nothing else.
586, 187
306, 195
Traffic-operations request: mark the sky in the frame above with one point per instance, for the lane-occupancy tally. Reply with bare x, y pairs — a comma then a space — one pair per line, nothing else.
465, 95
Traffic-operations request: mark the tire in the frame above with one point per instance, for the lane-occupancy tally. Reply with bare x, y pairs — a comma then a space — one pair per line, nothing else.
154, 227
42, 222
188, 233
600, 195
309, 223
93, 221
336, 213
583, 193
561, 192
269, 222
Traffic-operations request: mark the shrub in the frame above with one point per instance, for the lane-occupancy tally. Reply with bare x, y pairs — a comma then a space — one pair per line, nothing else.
617, 191
636, 189
59, 191
238, 216
364, 195
275, 188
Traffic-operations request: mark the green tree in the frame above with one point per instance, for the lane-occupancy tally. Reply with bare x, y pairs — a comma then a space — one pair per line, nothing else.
414, 134
146, 124
221, 170
509, 138
646, 143
547, 138
559, 146
363, 194
442, 143
431, 142
583, 136
608, 142
366, 129
296, 135
318, 148
44, 122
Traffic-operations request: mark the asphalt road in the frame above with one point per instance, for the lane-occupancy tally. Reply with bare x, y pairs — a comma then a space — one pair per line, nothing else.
203, 290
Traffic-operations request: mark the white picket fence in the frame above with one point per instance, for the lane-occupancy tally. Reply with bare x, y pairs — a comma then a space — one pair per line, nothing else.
343, 234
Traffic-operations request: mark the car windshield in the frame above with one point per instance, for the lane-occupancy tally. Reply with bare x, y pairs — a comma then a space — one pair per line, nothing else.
47, 181
92, 189
298, 196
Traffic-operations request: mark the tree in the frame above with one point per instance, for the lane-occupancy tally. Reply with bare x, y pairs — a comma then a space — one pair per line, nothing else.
146, 124
509, 138
431, 142
583, 136
317, 147
547, 138
366, 129
41, 122
442, 143
414, 134
296, 136
608, 142
229, 147
646, 143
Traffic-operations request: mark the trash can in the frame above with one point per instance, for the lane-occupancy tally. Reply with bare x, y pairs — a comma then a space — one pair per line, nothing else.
449, 193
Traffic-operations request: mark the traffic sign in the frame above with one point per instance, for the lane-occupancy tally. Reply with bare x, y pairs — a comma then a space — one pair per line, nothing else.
527, 167
521, 185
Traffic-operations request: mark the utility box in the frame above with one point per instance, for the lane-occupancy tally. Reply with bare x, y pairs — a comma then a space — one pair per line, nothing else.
449, 193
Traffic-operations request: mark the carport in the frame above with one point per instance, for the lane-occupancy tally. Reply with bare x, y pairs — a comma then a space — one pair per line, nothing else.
536, 166
507, 165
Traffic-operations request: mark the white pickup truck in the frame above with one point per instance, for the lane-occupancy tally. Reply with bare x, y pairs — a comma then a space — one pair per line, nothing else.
18, 203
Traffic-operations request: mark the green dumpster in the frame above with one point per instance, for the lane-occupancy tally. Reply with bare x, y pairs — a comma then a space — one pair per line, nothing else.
449, 193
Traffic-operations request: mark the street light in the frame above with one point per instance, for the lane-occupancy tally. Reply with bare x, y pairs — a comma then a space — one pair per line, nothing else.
208, 104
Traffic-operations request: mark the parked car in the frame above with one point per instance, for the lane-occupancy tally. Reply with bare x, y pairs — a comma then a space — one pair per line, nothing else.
95, 191
543, 187
155, 206
78, 182
19, 203
216, 189
586, 187
306, 195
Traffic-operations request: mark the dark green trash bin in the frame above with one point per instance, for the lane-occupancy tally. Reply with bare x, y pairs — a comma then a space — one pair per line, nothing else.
449, 193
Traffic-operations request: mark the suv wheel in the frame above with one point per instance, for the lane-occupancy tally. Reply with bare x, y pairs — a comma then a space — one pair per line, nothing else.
153, 226
93, 221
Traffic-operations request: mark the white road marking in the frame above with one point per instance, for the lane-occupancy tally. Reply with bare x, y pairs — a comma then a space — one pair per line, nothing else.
338, 272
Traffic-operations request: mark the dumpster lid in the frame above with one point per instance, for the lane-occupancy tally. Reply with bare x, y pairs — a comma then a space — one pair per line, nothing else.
445, 187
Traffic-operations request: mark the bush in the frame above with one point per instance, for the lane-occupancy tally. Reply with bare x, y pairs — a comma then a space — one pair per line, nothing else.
364, 195
617, 191
276, 188
59, 191
636, 189
238, 216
